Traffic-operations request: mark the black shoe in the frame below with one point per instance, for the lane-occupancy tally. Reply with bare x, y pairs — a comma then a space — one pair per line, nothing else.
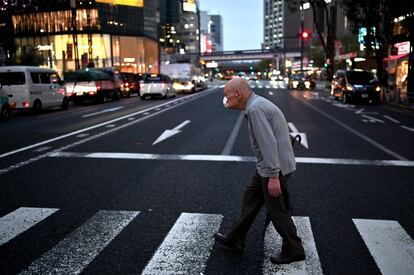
286, 259
229, 244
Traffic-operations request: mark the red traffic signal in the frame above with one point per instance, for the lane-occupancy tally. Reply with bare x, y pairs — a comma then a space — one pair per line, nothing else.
305, 35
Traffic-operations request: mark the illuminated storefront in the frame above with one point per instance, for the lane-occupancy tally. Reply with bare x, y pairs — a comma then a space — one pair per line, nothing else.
102, 33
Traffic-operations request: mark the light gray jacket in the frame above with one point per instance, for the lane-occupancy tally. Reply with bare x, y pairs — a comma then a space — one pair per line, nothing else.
269, 137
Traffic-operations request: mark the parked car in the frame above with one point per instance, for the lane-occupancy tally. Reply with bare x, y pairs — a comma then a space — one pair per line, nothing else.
90, 84
355, 86
129, 84
300, 81
5, 112
157, 85
33, 88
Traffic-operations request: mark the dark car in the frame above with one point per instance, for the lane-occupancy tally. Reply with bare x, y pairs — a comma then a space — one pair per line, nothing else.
129, 84
355, 86
300, 81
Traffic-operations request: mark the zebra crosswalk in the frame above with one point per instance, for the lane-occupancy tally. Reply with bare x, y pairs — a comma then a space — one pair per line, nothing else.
189, 244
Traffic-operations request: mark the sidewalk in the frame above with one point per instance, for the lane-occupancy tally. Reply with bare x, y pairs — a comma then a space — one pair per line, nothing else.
321, 85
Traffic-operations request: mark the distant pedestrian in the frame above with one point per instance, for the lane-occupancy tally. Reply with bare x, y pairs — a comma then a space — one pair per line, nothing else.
271, 145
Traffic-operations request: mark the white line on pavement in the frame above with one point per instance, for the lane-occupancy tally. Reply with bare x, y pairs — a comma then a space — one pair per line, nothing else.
103, 111
407, 128
76, 251
187, 246
392, 119
232, 138
20, 220
42, 149
364, 137
273, 243
224, 158
34, 159
188, 98
389, 244
373, 119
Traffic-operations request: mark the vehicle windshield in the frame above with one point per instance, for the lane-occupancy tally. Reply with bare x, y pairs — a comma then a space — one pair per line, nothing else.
12, 78
152, 79
361, 78
297, 76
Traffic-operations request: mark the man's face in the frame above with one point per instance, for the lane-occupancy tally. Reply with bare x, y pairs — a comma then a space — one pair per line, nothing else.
232, 97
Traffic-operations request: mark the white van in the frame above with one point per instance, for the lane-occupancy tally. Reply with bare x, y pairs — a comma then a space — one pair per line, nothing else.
33, 87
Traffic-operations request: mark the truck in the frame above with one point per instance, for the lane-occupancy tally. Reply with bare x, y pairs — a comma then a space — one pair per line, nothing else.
186, 77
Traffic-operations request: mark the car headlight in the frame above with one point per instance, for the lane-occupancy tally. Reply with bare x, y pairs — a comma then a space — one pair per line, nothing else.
307, 83
295, 83
378, 89
349, 87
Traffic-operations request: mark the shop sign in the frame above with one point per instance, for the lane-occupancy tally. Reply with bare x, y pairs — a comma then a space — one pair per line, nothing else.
129, 60
403, 47
45, 47
211, 65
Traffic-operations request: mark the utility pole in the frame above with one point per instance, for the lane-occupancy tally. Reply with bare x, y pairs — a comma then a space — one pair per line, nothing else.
74, 33
301, 38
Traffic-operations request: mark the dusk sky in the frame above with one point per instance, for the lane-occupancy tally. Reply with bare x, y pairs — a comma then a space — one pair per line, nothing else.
242, 22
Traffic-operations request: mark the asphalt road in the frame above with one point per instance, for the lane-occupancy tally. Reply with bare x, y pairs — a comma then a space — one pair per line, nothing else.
104, 199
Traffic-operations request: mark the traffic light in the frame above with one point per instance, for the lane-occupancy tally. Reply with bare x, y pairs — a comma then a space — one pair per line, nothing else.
305, 35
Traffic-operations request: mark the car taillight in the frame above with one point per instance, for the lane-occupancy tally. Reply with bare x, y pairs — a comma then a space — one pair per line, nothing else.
163, 85
26, 104
60, 91
126, 84
98, 87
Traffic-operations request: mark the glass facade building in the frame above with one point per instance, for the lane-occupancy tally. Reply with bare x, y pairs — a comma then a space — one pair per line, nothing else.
119, 33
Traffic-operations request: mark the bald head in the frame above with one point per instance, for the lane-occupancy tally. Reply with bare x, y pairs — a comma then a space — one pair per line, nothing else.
239, 84
237, 91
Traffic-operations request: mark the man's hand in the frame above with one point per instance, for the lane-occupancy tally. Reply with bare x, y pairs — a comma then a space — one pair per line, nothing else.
274, 187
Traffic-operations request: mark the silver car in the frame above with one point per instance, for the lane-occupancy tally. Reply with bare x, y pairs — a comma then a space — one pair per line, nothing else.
156, 85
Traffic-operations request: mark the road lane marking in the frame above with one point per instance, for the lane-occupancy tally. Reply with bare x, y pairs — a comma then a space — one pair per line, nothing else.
373, 119
187, 247
76, 251
273, 243
232, 138
18, 221
392, 119
103, 111
39, 157
42, 149
169, 133
389, 244
225, 158
295, 132
407, 128
82, 135
188, 99
364, 137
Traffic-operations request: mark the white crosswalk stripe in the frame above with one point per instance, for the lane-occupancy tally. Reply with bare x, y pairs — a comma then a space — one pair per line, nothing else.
18, 221
389, 244
273, 243
76, 251
187, 246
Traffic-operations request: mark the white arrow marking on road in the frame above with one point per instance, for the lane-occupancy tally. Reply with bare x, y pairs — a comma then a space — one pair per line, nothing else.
295, 132
104, 111
170, 133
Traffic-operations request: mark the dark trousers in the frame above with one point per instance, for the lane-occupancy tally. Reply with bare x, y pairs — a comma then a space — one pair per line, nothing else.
255, 195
